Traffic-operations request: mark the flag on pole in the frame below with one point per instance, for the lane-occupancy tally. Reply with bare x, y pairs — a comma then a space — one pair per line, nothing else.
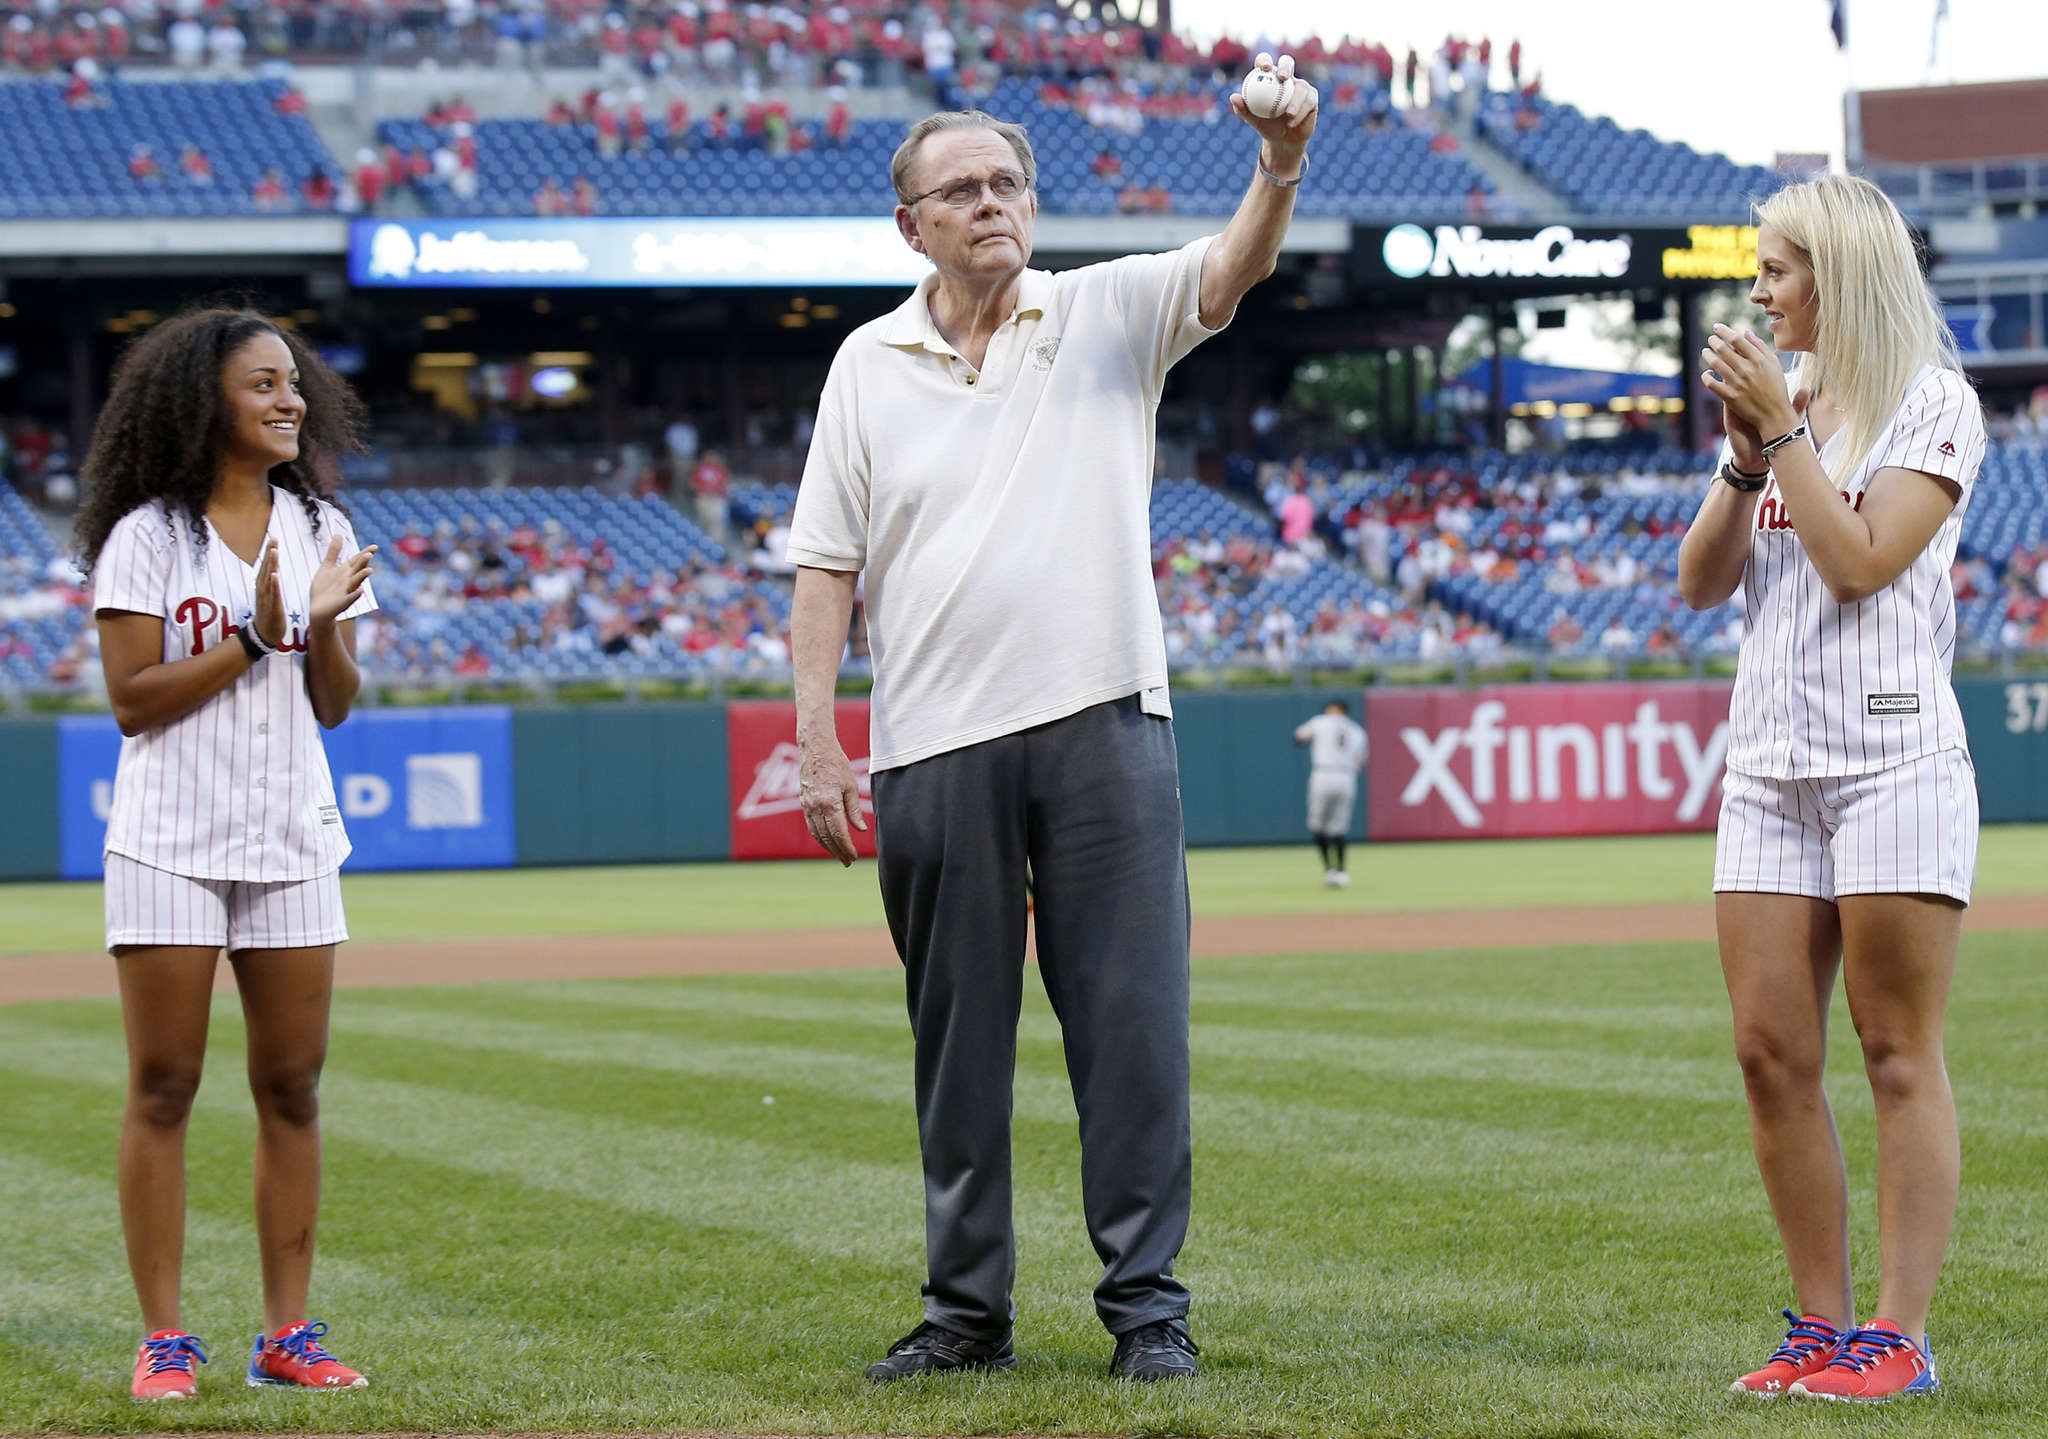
1934, 33
1838, 22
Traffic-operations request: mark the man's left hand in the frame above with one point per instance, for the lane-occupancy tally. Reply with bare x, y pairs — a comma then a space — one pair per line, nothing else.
1285, 133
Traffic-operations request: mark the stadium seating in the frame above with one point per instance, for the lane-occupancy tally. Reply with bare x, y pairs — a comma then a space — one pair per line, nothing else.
37, 618
1359, 172
638, 589
66, 162
1608, 171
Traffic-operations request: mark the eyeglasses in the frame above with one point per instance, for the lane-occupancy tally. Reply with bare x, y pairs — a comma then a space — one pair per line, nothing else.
966, 190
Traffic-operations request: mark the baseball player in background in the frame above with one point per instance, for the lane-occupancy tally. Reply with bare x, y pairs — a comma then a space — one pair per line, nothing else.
226, 586
1848, 830
1337, 750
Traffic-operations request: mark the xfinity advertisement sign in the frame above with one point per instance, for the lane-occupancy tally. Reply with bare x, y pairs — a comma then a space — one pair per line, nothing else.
630, 252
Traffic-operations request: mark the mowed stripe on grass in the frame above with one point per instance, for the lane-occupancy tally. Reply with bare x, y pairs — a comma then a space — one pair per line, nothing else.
48, 919
1446, 1194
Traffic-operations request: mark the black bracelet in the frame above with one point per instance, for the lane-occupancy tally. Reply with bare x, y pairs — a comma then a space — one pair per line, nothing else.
1740, 480
252, 645
1739, 472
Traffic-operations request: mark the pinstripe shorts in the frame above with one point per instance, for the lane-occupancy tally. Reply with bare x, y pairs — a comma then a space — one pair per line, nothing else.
149, 906
1907, 830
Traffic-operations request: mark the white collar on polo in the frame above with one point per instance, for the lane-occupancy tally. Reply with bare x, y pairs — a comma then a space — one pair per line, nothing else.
910, 323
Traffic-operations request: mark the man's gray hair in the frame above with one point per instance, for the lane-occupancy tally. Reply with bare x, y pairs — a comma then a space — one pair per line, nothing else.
906, 153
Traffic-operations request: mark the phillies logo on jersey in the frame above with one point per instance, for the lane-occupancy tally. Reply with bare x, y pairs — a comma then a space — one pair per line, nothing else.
202, 613
1770, 515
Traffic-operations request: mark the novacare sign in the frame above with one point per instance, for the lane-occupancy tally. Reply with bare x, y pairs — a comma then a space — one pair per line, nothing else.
1469, 252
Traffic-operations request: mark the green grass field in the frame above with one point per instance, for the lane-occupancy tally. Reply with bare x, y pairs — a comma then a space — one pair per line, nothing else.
1456, 1194
645, 899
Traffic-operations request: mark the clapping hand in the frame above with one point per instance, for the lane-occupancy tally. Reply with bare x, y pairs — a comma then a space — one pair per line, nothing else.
1748, 380
338, 583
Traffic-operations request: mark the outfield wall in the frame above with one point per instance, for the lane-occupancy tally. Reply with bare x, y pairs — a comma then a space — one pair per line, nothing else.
479, 786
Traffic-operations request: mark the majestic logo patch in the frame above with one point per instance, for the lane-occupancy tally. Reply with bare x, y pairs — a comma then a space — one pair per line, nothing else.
1043, 351
1901, 704
1948, 449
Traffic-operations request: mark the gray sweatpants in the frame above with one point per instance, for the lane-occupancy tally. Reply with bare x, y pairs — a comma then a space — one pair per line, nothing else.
1089, 807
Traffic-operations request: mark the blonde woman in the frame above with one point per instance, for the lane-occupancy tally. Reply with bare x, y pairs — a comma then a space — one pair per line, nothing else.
1848, 829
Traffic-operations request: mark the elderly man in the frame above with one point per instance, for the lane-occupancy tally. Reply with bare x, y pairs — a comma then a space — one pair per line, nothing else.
984, 454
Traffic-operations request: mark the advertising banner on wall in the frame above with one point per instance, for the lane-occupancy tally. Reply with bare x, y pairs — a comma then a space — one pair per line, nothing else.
523, 252
1547, 759
767, 804
418, 789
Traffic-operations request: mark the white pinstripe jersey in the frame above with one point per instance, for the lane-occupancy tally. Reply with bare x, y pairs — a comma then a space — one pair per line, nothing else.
1828, 689
239, 788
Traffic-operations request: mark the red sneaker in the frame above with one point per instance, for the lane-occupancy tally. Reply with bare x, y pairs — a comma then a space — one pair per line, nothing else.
163, 1366
1875, 1363
293, 1359
1808, 1347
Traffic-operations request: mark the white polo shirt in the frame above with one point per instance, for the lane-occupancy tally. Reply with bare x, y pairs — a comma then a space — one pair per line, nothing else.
1002, 515
238, 789
1828, 689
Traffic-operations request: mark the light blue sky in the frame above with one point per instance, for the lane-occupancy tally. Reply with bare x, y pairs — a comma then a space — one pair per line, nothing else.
1747, 78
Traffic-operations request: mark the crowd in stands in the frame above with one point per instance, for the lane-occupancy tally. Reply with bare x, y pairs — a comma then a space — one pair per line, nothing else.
573, 601
793, 42
1318, 562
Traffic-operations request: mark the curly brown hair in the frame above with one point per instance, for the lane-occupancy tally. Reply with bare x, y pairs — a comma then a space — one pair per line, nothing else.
166, 426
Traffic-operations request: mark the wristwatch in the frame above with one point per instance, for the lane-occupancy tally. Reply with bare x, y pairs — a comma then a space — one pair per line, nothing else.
1797, 432
1736, 479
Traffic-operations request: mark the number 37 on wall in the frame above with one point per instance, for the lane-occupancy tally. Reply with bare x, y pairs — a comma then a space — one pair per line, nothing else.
2026, 708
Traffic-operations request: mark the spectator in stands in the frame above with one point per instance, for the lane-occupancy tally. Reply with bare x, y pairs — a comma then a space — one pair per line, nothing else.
187, 41
368, 179
677, 134
549, 199
225, 44
142, 163
560, 115
1515, 64
291, 102
1565, 633
711, 487
1618, 638
317, 189
838, 118
270, 193
194, 166
604, 120
79, 91
583, 199
474, 663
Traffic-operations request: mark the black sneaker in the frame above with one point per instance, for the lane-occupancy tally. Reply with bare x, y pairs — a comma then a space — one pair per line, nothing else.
929, 1349
1155, 1351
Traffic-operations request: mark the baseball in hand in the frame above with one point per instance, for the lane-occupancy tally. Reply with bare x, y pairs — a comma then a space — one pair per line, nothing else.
1265, 91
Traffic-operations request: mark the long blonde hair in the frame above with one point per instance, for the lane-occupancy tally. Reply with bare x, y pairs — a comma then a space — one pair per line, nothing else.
1876, 322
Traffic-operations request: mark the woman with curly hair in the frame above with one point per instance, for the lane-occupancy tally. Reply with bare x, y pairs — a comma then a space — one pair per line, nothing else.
225, 585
